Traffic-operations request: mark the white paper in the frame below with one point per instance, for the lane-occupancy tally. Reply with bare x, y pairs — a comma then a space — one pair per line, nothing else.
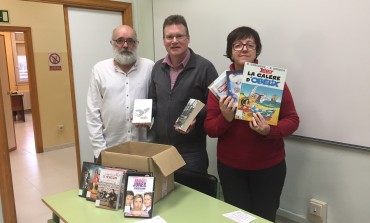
156, 219
239, 216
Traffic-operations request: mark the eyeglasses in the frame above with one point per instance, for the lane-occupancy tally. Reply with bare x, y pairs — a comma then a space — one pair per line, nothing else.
178, 37
239, 46
121, 41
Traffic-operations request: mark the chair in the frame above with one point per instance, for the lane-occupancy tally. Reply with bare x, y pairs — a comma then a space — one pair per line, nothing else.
205, 183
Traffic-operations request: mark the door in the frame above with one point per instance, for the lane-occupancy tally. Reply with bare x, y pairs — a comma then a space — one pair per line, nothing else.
99, 24
5, 92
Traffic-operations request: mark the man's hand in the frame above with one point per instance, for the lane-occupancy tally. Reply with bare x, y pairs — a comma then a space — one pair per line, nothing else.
191, 126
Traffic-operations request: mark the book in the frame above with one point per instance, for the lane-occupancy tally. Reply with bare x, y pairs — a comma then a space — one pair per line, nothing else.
219, 86
261, 91
142, 111
234, 84
89, 180
86, 178
187, 116
139, 195
109, 188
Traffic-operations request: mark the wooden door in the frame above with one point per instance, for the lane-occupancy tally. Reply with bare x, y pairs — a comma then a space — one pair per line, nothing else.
5, 93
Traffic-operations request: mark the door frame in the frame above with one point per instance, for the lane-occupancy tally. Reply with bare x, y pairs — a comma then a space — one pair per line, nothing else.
6, 186
31, 82
6, 183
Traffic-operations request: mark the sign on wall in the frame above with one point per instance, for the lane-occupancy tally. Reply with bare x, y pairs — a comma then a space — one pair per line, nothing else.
4, 16
55, 61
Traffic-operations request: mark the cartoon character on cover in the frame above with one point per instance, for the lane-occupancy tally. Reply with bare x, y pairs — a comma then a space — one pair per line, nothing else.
236, 84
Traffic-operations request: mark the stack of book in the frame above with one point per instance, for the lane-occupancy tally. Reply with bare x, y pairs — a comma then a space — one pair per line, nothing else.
107, 186
257, 88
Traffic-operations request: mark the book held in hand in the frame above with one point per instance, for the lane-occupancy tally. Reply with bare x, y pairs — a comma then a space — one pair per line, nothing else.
261, 91
189, 113
142, 111
139, 195
234, 84
219, 86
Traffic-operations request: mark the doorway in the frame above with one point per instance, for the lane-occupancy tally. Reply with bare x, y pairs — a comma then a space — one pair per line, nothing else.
19, 128
29, 62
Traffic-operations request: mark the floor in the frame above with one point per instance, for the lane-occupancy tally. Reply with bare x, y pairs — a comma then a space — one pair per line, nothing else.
38, 175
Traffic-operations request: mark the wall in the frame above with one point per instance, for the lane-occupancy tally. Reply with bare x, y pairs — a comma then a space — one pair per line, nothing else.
335, 174
48, 35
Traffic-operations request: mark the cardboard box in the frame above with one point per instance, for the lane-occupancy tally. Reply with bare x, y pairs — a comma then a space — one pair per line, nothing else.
160, 159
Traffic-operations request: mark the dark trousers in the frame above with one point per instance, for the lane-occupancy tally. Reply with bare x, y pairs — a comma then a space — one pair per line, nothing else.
196, 161
256, 191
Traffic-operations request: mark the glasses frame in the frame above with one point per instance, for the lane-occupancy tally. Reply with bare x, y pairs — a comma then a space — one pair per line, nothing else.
179, 37
130, 41
247, 46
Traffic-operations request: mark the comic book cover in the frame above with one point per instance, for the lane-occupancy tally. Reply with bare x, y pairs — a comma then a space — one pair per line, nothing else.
89, 179
234, 84
139, 195
219, 86
190, 111
261, 91
109, 188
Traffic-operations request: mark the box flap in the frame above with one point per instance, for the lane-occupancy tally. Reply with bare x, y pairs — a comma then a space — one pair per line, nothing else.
168, 161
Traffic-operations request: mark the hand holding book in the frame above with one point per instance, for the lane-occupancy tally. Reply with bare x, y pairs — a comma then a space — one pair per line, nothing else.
259, 124
227, 107
191, 126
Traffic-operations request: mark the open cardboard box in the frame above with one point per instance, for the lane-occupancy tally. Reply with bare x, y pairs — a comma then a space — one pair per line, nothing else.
160, 159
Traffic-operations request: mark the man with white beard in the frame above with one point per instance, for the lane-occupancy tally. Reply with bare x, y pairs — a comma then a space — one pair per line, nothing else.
114, 85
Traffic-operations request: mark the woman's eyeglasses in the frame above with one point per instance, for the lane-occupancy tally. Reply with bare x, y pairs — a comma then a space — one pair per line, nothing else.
240, 46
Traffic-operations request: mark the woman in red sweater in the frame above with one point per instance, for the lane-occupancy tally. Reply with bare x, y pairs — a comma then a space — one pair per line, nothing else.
250, 155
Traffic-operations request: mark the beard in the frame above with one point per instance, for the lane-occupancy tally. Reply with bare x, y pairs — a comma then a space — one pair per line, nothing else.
125, 57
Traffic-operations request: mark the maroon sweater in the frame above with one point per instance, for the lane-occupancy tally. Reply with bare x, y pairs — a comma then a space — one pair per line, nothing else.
239, 146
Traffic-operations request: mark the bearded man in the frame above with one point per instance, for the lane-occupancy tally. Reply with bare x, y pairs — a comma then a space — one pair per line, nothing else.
114, 85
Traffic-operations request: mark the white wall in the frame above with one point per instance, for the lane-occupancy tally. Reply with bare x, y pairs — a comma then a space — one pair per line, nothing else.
335, 174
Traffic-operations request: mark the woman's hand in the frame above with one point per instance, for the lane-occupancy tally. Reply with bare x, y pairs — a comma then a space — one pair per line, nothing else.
259, 124
227, 108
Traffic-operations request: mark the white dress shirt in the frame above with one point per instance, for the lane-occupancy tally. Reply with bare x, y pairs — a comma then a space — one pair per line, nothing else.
110, 102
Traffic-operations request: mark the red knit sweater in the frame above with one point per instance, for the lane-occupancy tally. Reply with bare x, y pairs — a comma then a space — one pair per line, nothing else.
239, 146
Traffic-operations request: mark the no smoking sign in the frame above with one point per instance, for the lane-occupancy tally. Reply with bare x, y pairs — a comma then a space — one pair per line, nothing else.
55, 61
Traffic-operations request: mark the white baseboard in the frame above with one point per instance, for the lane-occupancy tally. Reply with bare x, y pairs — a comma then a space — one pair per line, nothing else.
292, 216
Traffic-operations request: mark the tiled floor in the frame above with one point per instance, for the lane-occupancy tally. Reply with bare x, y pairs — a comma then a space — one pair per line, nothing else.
37, 175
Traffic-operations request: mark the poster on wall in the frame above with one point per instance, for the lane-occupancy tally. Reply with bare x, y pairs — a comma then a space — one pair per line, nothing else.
55, 61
